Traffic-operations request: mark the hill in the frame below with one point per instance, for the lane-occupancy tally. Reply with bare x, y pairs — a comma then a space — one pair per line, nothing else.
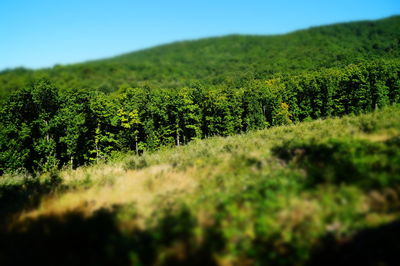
225, 60
317, 193
43, 126
237, 150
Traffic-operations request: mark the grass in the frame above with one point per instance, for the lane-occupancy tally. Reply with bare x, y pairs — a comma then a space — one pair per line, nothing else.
290, 195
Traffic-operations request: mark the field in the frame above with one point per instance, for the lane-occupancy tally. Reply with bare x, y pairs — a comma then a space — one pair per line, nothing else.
324, 192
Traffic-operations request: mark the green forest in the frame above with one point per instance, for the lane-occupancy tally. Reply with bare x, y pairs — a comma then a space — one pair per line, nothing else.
44, 127
224, 60
235, 150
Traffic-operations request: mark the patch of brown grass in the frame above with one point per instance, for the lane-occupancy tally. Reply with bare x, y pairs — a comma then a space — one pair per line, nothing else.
141, 187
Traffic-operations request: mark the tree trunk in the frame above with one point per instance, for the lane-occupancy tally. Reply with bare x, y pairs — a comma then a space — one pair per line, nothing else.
136, 145
97, 153
47, 133
177, 136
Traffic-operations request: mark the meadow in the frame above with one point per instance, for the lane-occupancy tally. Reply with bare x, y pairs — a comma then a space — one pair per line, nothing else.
320, 192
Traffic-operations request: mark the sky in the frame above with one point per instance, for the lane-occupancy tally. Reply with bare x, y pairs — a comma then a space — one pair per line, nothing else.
42, 33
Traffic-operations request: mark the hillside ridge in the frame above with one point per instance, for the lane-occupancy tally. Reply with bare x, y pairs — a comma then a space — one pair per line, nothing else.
223, 60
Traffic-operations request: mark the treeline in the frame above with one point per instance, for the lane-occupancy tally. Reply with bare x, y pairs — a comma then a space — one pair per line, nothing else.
43, 127
223, 60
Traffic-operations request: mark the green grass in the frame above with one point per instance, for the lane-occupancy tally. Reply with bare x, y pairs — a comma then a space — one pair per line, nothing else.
323, 192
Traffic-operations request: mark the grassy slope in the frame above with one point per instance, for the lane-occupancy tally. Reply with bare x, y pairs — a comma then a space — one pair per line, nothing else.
285, 195
226, 59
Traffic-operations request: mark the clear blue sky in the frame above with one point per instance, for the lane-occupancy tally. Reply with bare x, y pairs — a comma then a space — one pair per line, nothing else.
41, 33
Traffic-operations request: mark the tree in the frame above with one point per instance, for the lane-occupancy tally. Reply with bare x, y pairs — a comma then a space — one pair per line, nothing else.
283, 116
130, 122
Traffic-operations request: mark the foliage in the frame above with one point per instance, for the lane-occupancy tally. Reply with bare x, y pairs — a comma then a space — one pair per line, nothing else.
322, 193
44, 127
228, 61
297, 193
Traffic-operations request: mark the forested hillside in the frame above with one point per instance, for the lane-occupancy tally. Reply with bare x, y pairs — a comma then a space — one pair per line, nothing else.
44, 127
236, 150
324, 192
224, 60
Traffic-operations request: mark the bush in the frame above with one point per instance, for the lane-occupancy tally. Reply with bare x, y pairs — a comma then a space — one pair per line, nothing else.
346, 161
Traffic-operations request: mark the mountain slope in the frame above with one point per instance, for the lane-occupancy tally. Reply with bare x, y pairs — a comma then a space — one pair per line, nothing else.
226, 59
317, 193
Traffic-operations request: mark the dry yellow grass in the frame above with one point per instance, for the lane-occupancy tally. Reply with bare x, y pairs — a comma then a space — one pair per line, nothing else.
141, 187
378, 137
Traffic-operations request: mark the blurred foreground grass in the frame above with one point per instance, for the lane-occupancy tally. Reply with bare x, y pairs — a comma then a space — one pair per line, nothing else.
324, 192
